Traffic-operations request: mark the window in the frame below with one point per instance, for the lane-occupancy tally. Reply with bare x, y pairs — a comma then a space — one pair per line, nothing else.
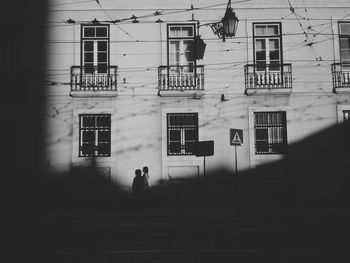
95, 48
344, 41
182, 130
94, 135
270, 132
267, 46
346, 115
181, 52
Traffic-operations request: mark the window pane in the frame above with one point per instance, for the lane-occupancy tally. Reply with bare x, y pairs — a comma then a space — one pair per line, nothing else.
345, 54
104, 149
102, 45
260, 44
175, 135
88, 45
101, 31
88, 149
260, 30
190, 147
188, 49
272, 30
88, 57
344, 28
175, 31
104, 136
275, 55
187, 31
102, 57
190, 135
104, 121
102, 68
88, 121
88, 136
274, 45
345, 43
89, 32
174, 147
261, 55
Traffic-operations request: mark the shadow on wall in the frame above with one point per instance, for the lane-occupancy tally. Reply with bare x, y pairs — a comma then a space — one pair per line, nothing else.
315, 168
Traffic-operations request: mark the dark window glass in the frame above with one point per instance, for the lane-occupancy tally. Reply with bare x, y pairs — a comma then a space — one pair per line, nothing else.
95, 135
270, 132
102, 45
88, 45
182, 133
101, 32
89, 32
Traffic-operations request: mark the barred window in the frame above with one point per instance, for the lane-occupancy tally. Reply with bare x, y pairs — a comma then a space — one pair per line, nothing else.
182, 133
94, 135
270, 132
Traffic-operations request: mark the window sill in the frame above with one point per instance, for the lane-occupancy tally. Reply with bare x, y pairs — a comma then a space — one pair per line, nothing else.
341, 90
179, 93
267, 91
87, 94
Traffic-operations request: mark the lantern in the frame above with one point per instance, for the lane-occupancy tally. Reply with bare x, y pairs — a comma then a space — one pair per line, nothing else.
230, 22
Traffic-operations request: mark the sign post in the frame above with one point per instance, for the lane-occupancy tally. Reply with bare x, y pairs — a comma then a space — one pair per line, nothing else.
236, 139
205, 148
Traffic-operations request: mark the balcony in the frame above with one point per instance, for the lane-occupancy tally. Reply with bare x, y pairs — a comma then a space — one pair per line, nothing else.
341, 77
267, 79
93, 81
181, 80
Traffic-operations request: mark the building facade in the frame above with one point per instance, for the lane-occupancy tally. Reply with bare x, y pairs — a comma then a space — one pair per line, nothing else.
127, 85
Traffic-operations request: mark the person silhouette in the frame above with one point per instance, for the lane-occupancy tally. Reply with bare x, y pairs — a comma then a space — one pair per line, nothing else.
145, 176
138, 183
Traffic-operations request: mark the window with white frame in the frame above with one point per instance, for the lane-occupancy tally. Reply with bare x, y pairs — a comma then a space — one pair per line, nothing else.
181, 51
267, 40
95, 48
270, 132
94, 135
182, 133
344, 41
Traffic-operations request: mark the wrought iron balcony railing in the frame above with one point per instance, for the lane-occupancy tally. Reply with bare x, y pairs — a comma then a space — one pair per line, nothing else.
268, 76
341, 75
93, 79
181, 78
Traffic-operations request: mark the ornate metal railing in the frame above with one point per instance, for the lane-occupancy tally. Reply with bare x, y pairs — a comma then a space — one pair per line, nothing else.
268, 76
181, 78
341, 75
91, 78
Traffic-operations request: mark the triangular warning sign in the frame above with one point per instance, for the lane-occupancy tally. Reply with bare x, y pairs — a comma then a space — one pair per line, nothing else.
236, 139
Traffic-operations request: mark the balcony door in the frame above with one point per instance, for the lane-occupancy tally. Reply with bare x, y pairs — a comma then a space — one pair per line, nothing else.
181, 51
95, 48
267, 47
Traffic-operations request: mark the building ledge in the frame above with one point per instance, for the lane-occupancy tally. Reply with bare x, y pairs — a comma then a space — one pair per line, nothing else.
179, 93
341, 90
86, 94
267, 91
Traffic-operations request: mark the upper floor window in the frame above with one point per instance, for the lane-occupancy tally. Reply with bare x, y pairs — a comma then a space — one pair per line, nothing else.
344, 41
182, 130
181, 50
94, 135
270, 132
267, 39
95, 48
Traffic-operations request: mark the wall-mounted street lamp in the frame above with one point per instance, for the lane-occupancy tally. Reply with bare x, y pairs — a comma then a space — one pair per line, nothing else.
227, 27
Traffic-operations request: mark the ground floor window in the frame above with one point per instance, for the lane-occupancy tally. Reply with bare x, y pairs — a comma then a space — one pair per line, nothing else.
182, 133
270, 132
94, 135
